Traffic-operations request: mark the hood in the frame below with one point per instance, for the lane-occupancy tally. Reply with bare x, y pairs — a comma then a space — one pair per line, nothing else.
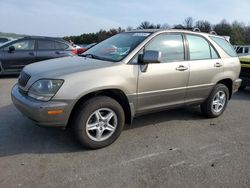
62, 66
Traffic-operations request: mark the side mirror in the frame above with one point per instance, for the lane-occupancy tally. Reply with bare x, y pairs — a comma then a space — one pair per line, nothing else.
11, 49
151, 56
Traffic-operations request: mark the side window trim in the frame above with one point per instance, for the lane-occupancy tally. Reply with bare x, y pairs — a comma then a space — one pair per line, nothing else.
185, 47
168, 33
20, 40
210, 45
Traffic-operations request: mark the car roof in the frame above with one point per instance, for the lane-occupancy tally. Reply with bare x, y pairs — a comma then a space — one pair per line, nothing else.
44, 37
171, 31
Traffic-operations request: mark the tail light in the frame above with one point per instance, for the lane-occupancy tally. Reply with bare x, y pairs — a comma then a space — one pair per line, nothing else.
74, 51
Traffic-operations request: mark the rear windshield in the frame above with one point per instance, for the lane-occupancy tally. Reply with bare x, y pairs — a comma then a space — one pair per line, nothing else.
226, 46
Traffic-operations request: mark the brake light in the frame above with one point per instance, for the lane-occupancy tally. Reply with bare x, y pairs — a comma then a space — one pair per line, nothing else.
74, 51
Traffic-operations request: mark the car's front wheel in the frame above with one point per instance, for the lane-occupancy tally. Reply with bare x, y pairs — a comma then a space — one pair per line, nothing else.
99, 122
217, 101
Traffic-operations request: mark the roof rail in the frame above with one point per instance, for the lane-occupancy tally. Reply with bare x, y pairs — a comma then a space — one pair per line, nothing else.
196, 29
213, 32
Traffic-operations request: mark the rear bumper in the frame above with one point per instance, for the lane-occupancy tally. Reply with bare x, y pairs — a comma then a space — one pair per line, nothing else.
236, 84
38, 111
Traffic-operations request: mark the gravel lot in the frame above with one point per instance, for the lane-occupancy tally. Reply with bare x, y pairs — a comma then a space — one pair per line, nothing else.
177, 148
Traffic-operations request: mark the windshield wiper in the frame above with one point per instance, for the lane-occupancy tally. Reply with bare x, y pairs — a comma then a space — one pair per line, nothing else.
95, 57
91, 56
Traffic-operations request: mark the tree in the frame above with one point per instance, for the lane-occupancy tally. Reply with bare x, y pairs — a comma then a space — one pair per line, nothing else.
148, 25
247, 34
223, 28
165, 26
129, 28
179, 26
238, 33
203, 25
188, 23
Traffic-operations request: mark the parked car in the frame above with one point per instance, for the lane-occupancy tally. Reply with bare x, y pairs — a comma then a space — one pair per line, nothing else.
245, 72
3, 40
242, 50
146, 71
14, 55
80, 49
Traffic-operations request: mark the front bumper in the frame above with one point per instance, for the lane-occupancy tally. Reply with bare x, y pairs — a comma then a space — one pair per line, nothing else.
236, 85
38, 110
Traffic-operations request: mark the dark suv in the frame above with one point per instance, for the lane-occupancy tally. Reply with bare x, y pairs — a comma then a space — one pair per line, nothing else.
14, 55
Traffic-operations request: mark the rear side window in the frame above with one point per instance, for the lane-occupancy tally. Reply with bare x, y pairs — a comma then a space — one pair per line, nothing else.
214, 54
226, 46
46, 45
198, 48
61, 46
170, 45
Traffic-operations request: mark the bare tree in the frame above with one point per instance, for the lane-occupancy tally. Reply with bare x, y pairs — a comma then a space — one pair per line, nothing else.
129, 28
188, 23
148, 25
165, 26
203, 25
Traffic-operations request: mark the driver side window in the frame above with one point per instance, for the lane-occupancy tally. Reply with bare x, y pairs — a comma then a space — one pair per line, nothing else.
170, 45
22, 45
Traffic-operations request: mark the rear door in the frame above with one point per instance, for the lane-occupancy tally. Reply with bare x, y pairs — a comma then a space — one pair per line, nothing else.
205, 65
49, 49
23, 54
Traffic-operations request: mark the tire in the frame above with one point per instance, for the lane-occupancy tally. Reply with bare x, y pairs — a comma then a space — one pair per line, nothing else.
215, 104
99, 122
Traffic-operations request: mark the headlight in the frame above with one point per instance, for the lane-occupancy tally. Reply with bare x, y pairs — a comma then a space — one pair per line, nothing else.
44, 89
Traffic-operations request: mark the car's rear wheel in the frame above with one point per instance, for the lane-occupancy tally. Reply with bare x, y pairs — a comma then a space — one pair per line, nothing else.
217, 101
99, 122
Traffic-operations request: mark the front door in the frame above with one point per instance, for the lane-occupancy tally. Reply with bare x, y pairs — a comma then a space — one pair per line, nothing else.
164, 84
22, 53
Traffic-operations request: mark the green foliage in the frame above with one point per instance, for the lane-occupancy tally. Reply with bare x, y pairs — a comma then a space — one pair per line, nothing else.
238, 32
203, 25
11, 35
88, 38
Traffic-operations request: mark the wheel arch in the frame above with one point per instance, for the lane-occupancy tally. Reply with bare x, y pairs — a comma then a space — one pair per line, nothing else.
115, 94
229, 83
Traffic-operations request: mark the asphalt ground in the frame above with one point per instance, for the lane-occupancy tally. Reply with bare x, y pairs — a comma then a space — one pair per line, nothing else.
176, 148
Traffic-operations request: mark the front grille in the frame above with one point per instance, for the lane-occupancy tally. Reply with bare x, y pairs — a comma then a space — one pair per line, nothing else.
23, 79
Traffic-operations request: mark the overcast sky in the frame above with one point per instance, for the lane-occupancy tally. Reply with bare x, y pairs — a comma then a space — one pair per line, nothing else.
74, 17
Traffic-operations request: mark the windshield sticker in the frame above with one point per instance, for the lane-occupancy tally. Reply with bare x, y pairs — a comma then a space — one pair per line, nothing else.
141, 34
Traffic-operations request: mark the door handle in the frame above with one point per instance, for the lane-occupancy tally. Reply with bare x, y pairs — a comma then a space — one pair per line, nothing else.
181, 68
217, 64
31, 53
58, 53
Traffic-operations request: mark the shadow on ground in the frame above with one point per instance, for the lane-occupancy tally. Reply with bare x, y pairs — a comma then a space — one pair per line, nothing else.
20, 135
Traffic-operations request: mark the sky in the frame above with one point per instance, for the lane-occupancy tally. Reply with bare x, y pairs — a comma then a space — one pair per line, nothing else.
74, 17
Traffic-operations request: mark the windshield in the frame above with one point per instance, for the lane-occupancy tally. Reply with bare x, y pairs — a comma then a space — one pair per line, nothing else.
117, 47
2, 44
